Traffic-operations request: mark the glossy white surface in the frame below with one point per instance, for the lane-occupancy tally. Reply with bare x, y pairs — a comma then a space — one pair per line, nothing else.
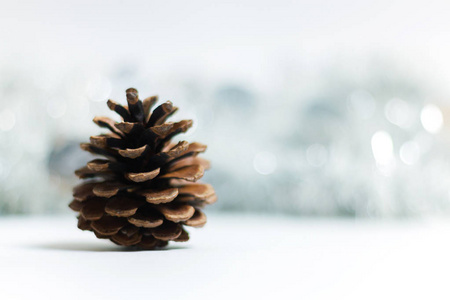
233, 257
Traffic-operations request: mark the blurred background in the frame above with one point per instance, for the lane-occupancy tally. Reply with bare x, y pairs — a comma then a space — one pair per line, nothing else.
325, 108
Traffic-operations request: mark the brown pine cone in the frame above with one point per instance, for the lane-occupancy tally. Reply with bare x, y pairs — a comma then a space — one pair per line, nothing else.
142, 194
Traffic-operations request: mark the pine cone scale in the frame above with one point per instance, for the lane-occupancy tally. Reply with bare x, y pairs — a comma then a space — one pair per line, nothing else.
141, 177
146, 220
176, 212
93, 209
197, 220
161, 196
122, 206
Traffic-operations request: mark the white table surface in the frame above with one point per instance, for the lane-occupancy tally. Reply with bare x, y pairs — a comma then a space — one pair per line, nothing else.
233, 257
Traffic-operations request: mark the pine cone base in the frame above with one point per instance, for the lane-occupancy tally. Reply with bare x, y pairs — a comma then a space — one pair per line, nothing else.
144, 191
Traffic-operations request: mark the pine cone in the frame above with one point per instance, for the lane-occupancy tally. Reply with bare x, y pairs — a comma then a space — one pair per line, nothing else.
143, 193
